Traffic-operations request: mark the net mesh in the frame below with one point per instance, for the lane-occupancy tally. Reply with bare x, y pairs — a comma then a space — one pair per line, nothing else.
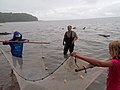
47, 69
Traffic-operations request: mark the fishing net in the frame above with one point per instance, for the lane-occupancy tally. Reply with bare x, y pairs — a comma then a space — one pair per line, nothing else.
43, 68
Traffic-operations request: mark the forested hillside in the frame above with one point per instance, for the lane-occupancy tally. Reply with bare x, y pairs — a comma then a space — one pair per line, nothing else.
16, 17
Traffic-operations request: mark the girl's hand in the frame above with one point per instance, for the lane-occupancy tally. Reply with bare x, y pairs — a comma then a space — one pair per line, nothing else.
74, 53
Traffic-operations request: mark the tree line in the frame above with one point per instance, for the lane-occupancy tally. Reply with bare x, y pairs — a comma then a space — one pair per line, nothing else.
16, 17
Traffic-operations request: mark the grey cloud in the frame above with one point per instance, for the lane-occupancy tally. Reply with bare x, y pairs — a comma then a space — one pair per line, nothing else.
63, 9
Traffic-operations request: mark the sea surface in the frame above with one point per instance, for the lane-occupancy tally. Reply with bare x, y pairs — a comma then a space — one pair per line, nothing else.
90, 42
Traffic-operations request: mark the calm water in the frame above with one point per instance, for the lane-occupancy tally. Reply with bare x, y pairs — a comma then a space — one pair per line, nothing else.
89, 42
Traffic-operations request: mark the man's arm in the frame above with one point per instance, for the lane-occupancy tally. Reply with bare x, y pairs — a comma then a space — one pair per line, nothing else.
64, 37
75, 38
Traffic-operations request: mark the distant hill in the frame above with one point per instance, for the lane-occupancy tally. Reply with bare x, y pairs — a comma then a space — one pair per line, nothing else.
16, 17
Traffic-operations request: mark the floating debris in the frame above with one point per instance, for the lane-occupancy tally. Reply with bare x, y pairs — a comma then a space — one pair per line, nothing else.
74, 27
104, 35
5, 33
84, 28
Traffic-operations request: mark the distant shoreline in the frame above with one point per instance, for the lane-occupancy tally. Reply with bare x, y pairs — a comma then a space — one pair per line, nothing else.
16, 17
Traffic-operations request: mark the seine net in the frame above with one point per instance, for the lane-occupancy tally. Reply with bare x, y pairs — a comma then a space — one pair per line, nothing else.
43, 68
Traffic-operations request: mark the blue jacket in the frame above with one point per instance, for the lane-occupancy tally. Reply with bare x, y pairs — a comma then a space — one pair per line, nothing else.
16, 47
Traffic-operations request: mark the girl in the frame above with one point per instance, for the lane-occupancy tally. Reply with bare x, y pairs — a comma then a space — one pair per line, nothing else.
113, 80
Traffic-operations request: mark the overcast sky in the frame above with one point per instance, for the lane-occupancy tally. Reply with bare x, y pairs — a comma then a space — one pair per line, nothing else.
63, 9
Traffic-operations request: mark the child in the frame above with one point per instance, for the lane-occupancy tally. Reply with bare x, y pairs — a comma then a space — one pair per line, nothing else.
113, 80
16, 47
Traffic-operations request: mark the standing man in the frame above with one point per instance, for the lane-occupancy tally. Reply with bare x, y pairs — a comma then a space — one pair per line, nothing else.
69, 39
16, 48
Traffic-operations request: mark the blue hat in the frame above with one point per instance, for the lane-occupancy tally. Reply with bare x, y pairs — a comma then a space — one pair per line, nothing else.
17, 35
